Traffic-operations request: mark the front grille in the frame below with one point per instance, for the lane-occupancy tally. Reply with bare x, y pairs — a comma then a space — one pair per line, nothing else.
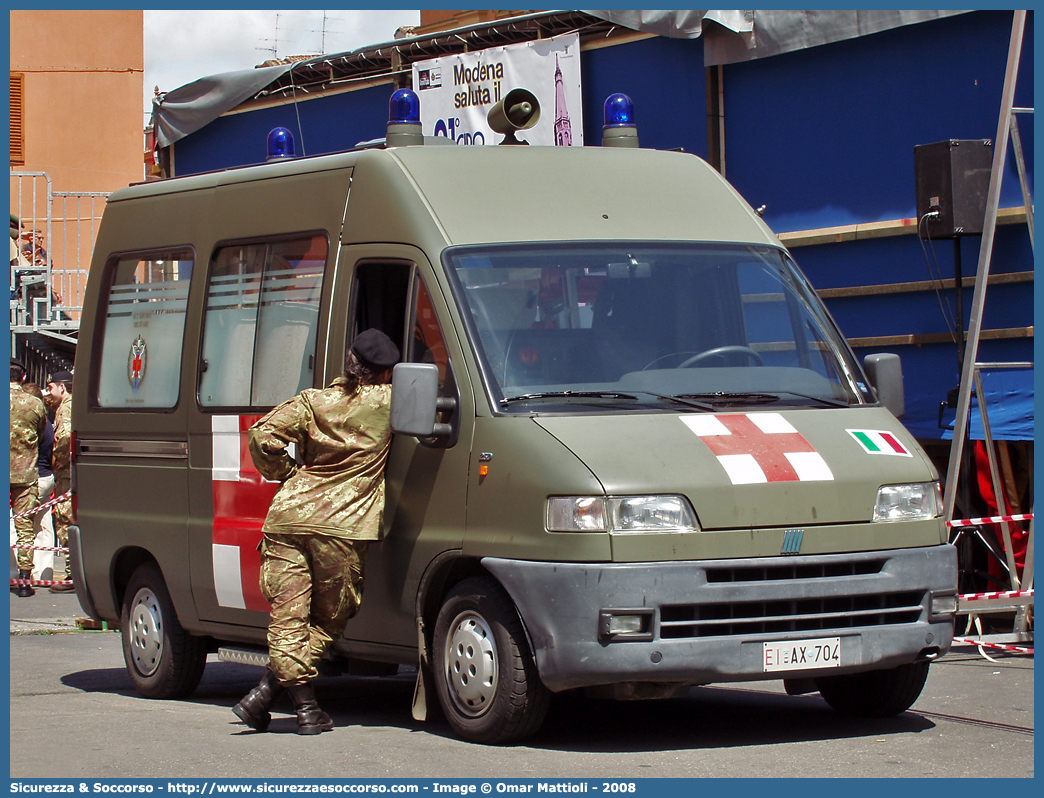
823, 570
798, 615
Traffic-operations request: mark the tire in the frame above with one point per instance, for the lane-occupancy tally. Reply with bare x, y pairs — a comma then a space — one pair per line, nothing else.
485, 676
163, 660
875, 694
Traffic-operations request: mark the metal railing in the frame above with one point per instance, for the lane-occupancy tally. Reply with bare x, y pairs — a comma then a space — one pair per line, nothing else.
58, 231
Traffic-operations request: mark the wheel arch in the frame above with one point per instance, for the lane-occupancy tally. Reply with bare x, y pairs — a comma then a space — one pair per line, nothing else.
442, 574
124, 564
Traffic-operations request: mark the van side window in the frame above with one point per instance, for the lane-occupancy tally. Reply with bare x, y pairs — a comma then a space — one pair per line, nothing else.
141, 344
426, 343
380, 298
261, 320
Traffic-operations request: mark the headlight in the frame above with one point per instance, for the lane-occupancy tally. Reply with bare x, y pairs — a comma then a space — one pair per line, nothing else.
650, 514
908, 502
620, 514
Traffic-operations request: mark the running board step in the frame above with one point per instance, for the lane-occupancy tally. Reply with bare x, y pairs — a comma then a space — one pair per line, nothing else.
244, 656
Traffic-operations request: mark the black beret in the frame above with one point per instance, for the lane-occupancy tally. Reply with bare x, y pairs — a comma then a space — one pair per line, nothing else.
16, 363
376, 348
60, 376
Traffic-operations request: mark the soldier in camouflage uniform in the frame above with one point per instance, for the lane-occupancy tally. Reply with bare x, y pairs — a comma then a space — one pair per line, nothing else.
28, 418
59, 392
321, 520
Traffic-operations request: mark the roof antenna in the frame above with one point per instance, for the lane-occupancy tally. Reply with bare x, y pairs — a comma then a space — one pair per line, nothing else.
322, 32
274, 49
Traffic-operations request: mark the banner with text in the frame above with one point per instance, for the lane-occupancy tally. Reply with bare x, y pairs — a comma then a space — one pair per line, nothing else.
456, 92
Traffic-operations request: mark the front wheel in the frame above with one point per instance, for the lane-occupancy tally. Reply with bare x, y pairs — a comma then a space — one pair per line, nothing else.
485, 676
875, 694
163, 660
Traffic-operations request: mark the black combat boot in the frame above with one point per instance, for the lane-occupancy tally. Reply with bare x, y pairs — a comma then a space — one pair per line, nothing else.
310, 719
25, 590
253, 709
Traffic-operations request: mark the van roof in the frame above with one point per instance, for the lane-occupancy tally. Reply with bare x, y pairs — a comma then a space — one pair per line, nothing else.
479, 195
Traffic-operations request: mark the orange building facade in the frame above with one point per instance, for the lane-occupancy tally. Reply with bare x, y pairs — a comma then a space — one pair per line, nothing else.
76, 117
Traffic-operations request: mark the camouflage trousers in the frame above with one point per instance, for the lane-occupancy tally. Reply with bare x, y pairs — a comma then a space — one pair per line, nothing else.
315, 584
24, 499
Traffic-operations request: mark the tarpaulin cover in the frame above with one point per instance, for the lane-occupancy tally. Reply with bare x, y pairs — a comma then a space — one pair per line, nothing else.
1009, 407
194, 105
746, 35
677, 24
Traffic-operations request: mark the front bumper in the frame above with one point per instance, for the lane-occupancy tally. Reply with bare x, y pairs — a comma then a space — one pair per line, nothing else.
708, 620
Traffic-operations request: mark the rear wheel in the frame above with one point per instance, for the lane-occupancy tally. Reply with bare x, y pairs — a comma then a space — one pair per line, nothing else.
875, 694
163, 660
485, 676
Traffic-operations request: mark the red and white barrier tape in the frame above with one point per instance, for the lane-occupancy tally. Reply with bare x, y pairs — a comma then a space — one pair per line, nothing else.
26, 547
40, 582
996, 519
45, 505
1000, 595
973, 642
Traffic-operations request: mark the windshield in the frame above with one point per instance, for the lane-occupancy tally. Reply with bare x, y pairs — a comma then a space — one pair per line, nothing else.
621, 326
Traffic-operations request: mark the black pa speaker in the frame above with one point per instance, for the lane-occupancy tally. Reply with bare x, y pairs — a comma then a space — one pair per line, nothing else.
953, 180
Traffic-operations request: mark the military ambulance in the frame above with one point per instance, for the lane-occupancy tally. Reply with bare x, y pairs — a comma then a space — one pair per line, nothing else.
633, 452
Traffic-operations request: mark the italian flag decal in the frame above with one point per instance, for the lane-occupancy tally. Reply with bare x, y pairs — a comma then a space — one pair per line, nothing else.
875, 441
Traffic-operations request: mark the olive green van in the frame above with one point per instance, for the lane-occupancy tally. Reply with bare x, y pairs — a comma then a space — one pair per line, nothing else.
633, 451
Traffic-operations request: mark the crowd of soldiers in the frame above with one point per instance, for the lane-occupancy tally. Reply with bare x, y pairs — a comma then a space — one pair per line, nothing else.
41, 431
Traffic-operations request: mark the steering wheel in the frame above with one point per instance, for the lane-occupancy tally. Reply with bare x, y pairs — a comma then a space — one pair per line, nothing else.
722, 350
664, 357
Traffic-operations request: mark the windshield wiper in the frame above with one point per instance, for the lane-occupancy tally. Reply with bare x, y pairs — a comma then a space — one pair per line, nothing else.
681, 400
822, 399
568, 395
725, 398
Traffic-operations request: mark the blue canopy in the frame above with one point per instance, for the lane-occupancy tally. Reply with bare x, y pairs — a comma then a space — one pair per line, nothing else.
1009, 406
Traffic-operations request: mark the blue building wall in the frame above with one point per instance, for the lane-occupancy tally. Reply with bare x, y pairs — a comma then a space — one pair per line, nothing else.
644, 70
665, 80
330, 123
931, 369
823, 137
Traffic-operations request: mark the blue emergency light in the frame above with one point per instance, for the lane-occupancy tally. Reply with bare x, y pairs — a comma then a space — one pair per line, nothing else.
404, 108
618, 110
619, 129
404, 122
280, 144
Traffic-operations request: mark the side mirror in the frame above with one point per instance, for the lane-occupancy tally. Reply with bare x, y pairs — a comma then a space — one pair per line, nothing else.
415, 401
885, 373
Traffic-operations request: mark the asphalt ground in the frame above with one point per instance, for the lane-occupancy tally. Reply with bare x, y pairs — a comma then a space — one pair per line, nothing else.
74, 714
45, 612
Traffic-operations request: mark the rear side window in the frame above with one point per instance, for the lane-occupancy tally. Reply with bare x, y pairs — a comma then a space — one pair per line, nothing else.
261, 319
141, 346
